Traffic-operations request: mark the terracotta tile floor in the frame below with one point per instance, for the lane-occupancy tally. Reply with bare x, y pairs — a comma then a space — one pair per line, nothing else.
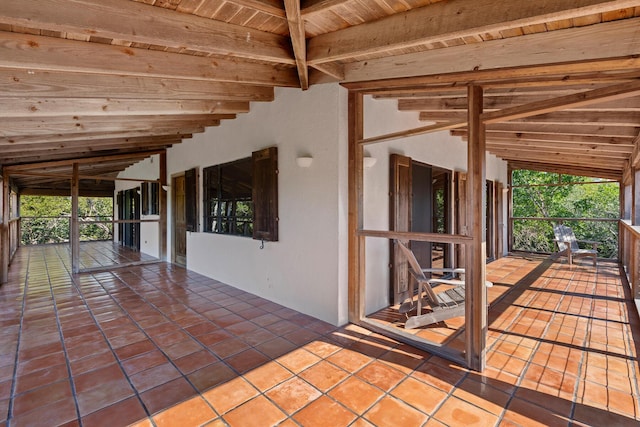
157, 345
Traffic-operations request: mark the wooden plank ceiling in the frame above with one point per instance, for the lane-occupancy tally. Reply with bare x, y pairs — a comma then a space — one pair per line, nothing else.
119, 80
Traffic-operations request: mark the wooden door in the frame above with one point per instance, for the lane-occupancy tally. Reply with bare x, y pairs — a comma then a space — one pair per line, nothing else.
422, 211
179, 221
400, 220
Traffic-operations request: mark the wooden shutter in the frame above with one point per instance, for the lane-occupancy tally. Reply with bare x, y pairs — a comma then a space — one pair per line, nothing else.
191, 199
265, 194
400, 220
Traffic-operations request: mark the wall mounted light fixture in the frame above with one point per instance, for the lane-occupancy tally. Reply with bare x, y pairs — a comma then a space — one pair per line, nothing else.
304, 161
369, 161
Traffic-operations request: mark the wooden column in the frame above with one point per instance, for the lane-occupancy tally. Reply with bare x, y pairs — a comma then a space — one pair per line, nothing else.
162, 226
499, 219
74, 232
635, 197
476, 292
5, 247
509, 209
356, 214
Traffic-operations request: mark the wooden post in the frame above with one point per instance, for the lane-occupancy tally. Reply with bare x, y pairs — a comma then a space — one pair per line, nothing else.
509, 209
4, 230
476, 292
74, 232
499, 219
162, 226
635, 198
356, 215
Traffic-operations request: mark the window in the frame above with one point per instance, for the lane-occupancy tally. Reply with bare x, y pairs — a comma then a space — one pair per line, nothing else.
150, 198
241, 198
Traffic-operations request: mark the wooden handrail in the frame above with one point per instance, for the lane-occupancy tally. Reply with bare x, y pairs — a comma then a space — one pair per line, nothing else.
523, 218
421, 237
635, 229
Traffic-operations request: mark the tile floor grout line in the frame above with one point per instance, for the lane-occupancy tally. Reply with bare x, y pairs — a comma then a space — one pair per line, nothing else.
64, 347
629, 333
90, 312
582, 356
528, 362
241, 375
18, 342
170, 359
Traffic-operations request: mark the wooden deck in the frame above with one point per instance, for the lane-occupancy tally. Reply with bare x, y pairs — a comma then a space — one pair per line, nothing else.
159, 345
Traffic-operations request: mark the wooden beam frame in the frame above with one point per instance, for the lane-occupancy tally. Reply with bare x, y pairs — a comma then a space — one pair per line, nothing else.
298, 40
475, 289
24, 83
445, 21
138, 23
38, 53
582, 99
591, 49
356, 284
5, 247
75, 225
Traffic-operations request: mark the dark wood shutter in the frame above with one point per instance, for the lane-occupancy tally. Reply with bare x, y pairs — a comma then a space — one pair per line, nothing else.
401, 175
265, 194
191, 199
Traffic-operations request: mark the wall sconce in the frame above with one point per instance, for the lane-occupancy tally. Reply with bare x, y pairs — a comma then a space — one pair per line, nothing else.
166, 187
369, 161
304, 162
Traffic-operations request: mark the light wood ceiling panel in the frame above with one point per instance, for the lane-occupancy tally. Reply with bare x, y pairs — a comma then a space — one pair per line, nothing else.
91, 78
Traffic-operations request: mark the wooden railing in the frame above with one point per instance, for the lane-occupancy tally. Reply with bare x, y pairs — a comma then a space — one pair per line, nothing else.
630, 256
14, 236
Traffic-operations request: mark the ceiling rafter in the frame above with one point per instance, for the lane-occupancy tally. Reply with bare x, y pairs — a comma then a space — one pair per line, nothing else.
445, 21
140, 23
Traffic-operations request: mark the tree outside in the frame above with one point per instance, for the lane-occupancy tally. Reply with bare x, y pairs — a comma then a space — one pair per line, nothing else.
538, 195
46, 219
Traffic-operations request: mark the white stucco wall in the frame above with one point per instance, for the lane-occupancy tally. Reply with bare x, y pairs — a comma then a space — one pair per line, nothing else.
436, 149
149, 233
306, 268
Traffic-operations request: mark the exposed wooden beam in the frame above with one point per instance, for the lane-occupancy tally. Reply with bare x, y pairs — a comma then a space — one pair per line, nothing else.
48, 107
20, 129
502, 102
96, 136
558, 138
415, 131
336, 71
622, 150
605, 118
51, 84
448, 20
579, 100
37, 158
89, 160
141, 23
569, 170
523, 151
38, 53
576, 129
80, 147
105, 124
591, 49
270, 7
298, 40
564, 159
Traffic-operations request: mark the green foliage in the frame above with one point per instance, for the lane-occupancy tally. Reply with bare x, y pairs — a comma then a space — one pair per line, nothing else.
536, 200
46, 219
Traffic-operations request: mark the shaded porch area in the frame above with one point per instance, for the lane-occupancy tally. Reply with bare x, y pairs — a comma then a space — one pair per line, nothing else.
159, 345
